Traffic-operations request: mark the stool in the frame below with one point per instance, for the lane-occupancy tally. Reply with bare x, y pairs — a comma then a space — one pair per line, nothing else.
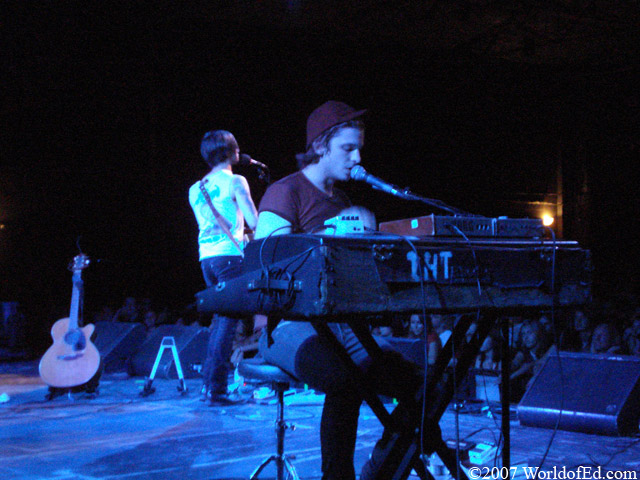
258, 369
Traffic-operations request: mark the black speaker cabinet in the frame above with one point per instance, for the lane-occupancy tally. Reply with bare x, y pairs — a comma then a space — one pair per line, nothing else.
191, 345
601, 394
411, 349
117, 342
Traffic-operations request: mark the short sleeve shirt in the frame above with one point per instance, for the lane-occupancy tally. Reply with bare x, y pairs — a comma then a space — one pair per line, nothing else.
301, 203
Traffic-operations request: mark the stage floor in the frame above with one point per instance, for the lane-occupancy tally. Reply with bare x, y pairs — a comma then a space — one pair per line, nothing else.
167, 435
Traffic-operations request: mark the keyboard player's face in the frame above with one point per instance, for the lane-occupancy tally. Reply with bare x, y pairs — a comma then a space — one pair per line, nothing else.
342, 154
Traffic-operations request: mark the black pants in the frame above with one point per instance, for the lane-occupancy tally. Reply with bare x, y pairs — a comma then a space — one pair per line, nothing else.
215, 370
299, 350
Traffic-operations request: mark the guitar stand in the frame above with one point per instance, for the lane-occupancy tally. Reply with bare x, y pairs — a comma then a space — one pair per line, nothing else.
167, 342
55, 392
89, 390
81, 392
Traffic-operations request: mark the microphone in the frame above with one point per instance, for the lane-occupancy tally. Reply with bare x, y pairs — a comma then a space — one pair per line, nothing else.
360, 174
246, 160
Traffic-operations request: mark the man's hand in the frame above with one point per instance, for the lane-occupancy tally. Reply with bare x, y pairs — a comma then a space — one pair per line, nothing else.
367, 216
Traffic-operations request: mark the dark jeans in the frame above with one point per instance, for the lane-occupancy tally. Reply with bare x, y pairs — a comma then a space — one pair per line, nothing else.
216, 366
300, 351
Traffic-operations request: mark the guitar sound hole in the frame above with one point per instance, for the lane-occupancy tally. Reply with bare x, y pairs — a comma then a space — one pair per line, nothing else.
76, 339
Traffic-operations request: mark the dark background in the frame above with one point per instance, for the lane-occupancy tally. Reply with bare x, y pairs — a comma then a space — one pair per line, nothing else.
473, 103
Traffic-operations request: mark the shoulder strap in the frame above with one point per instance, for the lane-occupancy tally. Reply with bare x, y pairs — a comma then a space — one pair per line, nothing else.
221, 221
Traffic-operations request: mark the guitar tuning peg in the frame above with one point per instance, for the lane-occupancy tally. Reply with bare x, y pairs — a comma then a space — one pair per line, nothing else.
79, 262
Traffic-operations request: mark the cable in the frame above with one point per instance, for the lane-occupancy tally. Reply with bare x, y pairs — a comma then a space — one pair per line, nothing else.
267, 273
493, 434
475, 261
613, 455
423, 292
555, 332
455, 389
260, 255
453, 352
486, 397
421, 269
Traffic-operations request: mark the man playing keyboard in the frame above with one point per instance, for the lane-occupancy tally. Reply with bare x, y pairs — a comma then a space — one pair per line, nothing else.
301, 203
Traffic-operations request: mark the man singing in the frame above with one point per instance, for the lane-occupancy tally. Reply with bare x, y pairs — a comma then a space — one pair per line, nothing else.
301, 203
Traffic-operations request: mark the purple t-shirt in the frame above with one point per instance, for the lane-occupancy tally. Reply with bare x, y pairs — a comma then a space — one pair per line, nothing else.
301, 203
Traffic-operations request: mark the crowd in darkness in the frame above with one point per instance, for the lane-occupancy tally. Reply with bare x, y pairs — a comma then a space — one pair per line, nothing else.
143, 311
600, 328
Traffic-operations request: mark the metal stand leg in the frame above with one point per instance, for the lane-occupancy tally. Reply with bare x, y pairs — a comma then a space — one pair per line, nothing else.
505, 397
257, 471
282, 461
167, 342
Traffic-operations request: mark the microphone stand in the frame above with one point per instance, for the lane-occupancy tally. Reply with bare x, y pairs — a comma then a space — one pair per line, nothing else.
264, 175
406, 194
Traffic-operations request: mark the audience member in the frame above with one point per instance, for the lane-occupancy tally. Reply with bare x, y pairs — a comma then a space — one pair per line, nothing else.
14, 326
144, 305
529, 354
442, 325
245, 342
150, 320
416, 331
582, 325
128, 312
577, 338
104, 315
383, 331
605, 339
545, 321
631, 335
515, 327
489, 355
182, 320
416, 327
164, 317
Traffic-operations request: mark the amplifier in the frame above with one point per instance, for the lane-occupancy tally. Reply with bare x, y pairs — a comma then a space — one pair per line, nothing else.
470, 226
596, 393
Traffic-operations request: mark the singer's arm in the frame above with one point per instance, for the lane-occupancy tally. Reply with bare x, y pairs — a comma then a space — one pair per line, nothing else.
242, 195
269, 223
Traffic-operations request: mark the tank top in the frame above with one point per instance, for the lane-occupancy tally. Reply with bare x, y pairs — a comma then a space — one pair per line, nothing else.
212, 240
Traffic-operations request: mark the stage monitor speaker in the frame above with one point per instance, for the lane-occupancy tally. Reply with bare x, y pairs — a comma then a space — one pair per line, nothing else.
117, 342
191, 344
601, 394
411, 349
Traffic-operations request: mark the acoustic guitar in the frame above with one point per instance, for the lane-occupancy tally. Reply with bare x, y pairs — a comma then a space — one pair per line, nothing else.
72, 359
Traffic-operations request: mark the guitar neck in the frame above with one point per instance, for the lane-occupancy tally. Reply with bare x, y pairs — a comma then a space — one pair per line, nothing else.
76, 301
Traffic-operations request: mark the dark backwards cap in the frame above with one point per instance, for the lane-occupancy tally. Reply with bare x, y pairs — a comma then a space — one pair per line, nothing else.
329, 115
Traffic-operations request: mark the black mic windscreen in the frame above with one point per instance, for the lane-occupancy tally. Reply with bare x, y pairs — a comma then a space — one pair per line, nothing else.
245, 159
